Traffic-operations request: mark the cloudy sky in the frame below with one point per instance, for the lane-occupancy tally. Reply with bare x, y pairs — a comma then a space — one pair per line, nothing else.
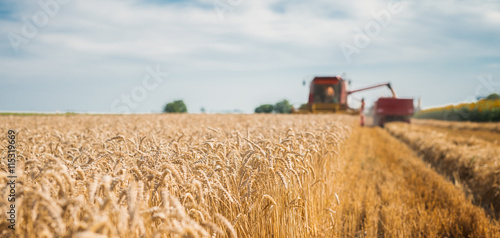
134, 56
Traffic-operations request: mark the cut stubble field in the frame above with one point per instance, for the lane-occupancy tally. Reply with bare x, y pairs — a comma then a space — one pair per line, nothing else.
484, 135
226, 176
459, 155
390, 192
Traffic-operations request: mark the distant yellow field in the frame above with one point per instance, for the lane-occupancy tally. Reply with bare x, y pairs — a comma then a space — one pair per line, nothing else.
481, 111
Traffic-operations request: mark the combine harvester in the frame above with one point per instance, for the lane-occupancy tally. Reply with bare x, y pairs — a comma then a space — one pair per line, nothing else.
329, 95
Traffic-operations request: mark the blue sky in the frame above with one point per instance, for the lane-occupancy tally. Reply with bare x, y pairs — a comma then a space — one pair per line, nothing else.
89, 56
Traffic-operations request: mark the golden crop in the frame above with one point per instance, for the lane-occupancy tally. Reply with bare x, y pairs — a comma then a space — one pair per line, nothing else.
170, 175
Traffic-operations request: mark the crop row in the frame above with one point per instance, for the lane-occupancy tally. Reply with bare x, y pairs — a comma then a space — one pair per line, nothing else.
493, 127
472, 162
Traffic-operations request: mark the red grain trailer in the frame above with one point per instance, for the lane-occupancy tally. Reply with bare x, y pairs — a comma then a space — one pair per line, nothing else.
392, 109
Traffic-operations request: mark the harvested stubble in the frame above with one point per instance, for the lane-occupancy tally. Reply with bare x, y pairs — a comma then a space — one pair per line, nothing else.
484, 126
484, 135
172, 175
472, 162
389, 191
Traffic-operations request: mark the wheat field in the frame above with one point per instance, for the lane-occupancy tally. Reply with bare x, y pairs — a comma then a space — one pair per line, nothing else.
226, 176
182, 175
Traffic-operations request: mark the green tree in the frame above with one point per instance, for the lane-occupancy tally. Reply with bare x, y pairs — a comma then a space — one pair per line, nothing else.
493, 96
266, 108
283, 107
175, 107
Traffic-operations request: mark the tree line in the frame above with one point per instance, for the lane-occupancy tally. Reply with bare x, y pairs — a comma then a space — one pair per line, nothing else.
178, 106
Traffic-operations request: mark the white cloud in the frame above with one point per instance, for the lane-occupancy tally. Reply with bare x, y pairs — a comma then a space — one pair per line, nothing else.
112, 40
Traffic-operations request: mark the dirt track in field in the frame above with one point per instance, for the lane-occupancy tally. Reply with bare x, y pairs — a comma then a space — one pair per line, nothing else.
389, 191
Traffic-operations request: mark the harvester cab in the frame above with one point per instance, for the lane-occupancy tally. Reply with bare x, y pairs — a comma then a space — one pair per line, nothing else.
327, 94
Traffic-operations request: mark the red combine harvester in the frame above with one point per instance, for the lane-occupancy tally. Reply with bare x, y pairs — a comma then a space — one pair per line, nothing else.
329, 95
392, 109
